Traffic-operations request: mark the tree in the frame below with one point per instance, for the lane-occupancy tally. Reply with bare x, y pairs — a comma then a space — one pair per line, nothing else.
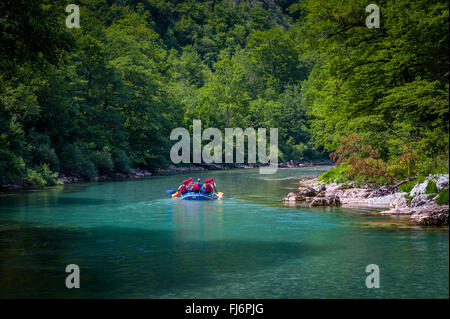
388, 85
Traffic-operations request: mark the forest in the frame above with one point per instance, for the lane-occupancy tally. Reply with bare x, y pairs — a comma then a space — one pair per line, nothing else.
104, 97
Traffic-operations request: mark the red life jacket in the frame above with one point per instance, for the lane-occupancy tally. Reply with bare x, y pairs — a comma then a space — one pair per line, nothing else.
197, 186
207, 187
183, 189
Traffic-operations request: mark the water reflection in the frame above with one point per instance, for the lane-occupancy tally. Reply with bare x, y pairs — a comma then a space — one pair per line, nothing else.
196, 220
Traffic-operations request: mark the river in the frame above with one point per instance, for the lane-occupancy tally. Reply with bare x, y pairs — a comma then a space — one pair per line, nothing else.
131, 241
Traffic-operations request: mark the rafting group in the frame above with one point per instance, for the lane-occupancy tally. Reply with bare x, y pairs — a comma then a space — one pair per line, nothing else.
189, 190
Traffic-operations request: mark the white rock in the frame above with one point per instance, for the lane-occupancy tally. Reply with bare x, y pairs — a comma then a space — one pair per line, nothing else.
442, 182
419, 189
398, 201
420, 200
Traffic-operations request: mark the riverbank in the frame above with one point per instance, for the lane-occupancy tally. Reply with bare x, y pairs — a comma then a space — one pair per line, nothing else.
421, 205
146, 173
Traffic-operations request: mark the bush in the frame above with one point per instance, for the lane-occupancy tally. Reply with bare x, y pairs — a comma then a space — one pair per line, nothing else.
34, 179
442, 197
102, 161
41, 176
50, 177
88, 169
71, 159
408, 186
431, 187
12, 167
336, 174
438, 164
367, 165
74, 161
45, 154
121, 161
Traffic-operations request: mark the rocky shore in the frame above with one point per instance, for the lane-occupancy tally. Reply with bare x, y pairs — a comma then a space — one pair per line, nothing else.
419, 206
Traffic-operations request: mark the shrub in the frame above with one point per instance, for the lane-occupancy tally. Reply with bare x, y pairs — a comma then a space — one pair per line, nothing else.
45, 154
12, 167
409, 198
50, 177
121, 161
71, 159
408, 186
366, 164
336, 174
41, 176
74, 161
88, 169
438, 164
442, 197
431, 187
102, 161
34, 178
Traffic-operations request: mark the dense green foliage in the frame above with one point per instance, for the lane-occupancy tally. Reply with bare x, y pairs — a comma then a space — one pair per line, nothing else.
335, 174
106, 96
443, 198
431, 187
387, 85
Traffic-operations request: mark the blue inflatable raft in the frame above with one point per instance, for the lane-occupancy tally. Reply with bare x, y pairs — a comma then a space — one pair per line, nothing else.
197, 196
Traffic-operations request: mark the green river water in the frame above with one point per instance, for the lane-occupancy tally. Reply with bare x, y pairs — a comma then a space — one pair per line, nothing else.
131, 241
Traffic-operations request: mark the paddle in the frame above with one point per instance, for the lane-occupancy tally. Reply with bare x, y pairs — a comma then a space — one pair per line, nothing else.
170, 191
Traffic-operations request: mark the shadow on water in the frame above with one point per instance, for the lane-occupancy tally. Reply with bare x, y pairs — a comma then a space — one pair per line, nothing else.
52, 201
81, 201
122, 262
